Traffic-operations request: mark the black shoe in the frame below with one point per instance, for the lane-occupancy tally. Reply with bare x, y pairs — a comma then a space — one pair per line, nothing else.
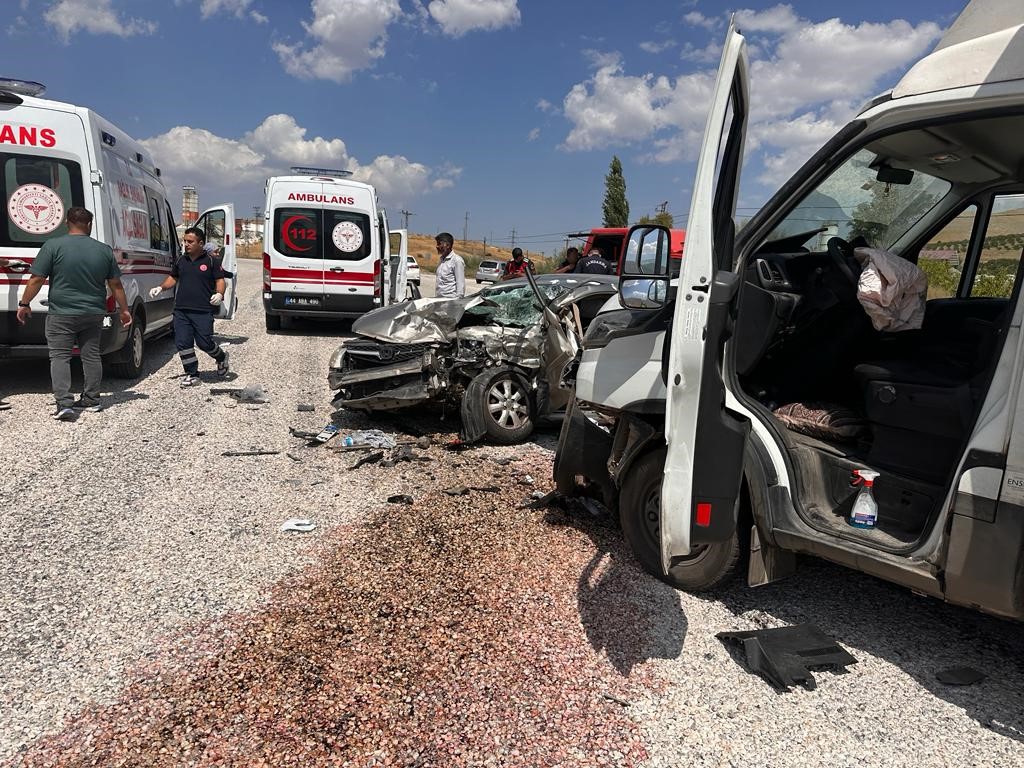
64, 414
89, 406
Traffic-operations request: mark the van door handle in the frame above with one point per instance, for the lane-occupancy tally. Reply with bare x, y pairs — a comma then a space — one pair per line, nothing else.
337, 269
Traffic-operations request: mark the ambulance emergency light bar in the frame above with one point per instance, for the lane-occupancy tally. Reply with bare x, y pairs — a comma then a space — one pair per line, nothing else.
303, 170
23, 87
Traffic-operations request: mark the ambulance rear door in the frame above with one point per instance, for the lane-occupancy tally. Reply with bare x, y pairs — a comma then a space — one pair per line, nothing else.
399, 265
353, 252
294, 244
219, 225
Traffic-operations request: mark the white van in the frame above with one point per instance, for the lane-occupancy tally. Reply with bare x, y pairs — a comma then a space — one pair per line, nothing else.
54, 156
732, 412
326, 249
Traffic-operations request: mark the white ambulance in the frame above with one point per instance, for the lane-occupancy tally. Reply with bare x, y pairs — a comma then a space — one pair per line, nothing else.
54, 156
327, 249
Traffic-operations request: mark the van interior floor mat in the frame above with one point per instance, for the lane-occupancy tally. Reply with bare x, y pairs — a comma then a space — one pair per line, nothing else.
784, 656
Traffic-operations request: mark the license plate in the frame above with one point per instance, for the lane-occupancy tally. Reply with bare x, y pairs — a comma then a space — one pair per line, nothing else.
303, 301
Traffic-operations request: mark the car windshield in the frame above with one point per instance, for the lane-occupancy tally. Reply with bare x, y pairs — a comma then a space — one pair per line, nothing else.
515, 306
852, 202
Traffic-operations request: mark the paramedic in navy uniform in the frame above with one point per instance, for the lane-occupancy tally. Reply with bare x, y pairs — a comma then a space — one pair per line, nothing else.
200, 281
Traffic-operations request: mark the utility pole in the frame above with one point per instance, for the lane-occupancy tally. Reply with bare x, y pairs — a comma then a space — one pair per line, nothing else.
661, 208
465, 230
405, 218
513, 237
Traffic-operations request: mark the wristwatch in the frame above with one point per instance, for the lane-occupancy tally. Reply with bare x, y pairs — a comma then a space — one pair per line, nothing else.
23, 304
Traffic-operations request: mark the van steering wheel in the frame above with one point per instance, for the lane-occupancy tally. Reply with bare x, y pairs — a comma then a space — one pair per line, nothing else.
842, 256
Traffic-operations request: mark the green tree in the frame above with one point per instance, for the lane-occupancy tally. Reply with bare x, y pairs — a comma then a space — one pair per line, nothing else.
615, 207
664, 218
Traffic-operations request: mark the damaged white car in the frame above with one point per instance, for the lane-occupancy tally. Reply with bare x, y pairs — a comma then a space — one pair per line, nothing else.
501, 354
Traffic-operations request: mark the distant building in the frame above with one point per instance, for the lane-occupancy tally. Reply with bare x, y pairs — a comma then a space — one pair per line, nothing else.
189, 206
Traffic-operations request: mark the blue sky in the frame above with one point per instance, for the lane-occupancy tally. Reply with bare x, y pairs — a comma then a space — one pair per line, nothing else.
510, 110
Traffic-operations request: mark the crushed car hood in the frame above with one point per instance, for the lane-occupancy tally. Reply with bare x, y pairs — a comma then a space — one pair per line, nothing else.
415, 322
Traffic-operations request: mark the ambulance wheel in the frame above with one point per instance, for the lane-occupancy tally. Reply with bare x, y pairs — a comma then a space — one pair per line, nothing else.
127, 362
706, 567
508, 409
273, 322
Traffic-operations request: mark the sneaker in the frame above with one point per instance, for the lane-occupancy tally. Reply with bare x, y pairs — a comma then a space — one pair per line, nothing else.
190, 380
222, 366
87, 406
64, 414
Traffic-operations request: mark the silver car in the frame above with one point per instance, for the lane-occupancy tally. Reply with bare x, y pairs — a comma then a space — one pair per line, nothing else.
490, 271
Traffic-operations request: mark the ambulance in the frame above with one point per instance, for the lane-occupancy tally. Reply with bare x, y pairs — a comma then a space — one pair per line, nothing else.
327, 249
54, 156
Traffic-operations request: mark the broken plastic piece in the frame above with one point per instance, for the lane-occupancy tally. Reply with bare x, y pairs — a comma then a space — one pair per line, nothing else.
301, 433
293, 457
306, 408
959, 676
298, 524
458, 490
249, 453
485, 488
784, 656
400, 498
371, 458
331, 430
252, 394
373, 437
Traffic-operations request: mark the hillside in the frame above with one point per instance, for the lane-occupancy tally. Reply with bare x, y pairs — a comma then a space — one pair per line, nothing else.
423, 248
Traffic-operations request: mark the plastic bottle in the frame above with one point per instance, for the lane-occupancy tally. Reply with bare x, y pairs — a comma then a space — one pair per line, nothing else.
865, 509
348, 440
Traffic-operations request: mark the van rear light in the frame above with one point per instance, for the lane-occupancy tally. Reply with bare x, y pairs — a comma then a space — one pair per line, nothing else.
378, 280
266, 271
703, 514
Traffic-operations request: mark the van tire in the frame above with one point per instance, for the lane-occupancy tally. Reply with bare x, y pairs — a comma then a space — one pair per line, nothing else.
273, 322
709, 566
129, 361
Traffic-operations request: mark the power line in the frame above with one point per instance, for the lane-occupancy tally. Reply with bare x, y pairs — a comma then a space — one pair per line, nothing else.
405, 218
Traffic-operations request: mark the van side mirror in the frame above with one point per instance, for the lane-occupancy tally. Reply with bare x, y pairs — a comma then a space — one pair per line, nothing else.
644, 278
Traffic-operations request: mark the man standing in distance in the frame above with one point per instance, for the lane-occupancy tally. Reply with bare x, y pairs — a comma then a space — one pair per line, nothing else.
594, 263
517, 265
80, 270
451, 271
200, 281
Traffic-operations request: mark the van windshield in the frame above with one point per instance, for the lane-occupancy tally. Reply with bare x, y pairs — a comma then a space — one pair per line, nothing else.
37, 192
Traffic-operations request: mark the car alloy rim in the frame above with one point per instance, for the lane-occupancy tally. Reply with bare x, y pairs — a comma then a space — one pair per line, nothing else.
137, 346
506, 402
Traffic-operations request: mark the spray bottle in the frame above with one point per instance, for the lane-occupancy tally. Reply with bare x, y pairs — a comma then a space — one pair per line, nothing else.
865, 508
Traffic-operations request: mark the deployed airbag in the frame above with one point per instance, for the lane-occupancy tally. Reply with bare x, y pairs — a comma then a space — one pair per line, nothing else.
891, 290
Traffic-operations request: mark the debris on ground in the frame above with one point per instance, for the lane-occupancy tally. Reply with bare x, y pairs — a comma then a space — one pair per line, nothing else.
298, 524
458, 490
374, 438
249, 453
959, 676
371, 458
293, 457
485, 488
254, 393
458, 445
400, 498
784, 656
301, 433
525, 480
306, 408
325, 434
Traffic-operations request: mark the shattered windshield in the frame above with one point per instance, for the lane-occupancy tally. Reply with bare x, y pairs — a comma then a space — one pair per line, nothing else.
515, 306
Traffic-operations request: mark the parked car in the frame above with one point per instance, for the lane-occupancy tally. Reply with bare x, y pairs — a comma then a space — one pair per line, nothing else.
490, 271
412, 271
500, 353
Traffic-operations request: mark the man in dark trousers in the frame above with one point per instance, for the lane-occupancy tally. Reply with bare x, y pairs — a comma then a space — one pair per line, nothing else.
80, 270
200, 281
517, 265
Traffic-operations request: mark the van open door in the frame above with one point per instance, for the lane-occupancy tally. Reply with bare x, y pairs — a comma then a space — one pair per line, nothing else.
399, 266
704, 461
219, 225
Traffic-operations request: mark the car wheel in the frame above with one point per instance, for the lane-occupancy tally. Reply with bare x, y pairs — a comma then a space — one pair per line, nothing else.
127, 362
508, 409
273, 322
706, 567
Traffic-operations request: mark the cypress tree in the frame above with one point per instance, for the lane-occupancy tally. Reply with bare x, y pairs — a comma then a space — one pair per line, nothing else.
615, 207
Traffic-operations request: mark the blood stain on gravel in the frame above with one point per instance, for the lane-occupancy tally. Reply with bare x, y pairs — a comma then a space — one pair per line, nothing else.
445, 633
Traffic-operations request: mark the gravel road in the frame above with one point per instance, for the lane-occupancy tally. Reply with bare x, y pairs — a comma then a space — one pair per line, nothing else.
153, 614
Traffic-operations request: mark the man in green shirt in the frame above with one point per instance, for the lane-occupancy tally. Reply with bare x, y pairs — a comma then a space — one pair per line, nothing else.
80, 269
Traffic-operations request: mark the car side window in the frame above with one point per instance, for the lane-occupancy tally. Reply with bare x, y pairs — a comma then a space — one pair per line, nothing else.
942, 259
1000, 255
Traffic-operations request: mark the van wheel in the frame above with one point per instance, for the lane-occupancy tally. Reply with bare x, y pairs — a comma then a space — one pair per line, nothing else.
273, 322
706, 567
507, 409
127, 362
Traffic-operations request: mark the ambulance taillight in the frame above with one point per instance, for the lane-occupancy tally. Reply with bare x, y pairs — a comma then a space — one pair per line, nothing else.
266, 271
378, 280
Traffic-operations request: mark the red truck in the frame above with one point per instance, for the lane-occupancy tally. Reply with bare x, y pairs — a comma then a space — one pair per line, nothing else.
610, 241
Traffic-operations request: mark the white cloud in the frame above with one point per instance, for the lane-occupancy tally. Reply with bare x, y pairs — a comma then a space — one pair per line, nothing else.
95, 16
652, 47
698, 19
545, 106
258, 17
533, 135
233, 166
457, 17
208, 8
807, 79
347, 35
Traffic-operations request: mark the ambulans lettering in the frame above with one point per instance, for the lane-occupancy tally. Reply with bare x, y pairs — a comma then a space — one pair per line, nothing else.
309, 197
135, 225
131, 192
27, 135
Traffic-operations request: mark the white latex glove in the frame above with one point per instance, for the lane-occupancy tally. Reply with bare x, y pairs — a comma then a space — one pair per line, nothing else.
216, 299
154, 292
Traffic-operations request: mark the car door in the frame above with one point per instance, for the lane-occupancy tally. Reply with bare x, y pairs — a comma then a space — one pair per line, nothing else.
704, 459
219, 225
399, 264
